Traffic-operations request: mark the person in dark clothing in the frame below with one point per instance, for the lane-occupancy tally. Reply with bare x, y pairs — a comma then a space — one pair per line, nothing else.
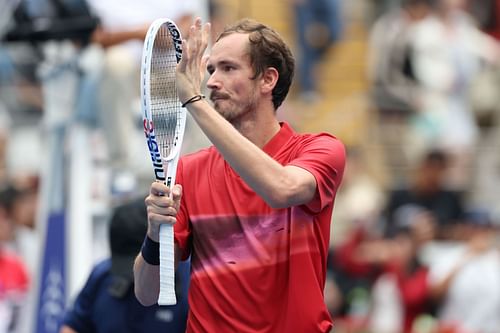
107, 302
428, 190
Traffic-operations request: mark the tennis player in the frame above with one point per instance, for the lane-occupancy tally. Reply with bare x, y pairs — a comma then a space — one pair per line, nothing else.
253, 211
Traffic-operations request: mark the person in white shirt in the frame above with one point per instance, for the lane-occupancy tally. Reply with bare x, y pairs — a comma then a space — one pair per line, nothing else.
121, 32
465, 282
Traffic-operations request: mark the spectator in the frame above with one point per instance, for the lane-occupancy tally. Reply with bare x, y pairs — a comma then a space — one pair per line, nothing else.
107, 303
465, 280
393, 84
414, 228
390, 273
427, 188
448, 51
319, 24
394, 90
14, 277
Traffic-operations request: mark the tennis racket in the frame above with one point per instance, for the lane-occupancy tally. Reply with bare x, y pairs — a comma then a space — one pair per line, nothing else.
164, 122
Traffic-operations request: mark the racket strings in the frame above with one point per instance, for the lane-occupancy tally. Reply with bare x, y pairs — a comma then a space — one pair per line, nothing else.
165, 105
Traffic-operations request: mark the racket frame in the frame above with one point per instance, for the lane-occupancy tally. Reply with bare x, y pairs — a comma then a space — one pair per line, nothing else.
161, 163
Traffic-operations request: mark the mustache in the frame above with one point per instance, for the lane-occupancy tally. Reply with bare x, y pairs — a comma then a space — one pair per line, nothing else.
218, 95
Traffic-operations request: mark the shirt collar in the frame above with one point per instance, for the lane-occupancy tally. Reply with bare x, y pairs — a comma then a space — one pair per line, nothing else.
279, 140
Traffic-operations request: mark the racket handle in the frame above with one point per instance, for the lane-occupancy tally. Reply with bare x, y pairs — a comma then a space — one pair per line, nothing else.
167, 266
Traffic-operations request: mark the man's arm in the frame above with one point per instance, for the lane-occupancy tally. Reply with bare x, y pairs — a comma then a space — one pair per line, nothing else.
147, 279
162, 209
107, 38
280, 186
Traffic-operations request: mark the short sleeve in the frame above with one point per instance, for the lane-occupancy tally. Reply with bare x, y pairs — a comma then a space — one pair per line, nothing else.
324, 157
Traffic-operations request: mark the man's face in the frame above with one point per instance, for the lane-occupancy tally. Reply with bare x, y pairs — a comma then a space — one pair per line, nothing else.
233, 92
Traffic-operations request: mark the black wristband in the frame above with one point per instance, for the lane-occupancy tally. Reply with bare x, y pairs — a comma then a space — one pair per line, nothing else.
150, 251
193, 99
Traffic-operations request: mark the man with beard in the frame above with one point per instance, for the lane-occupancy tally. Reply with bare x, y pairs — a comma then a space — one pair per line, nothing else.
253, 211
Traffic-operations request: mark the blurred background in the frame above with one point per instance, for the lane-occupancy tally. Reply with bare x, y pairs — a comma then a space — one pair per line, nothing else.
410, 86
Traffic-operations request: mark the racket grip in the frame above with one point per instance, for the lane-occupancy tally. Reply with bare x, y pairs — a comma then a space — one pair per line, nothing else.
167, 266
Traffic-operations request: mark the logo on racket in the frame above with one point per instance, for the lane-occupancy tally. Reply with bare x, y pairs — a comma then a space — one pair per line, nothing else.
176, 37
153, 150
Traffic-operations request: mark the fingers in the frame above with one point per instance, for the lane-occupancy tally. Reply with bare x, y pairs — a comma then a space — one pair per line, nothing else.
203, 32
162, 207
207, 31
159, 189
176, 194
160, 196
191, 69
197, 41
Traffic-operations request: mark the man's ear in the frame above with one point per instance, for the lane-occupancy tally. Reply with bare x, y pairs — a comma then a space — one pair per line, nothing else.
269, 79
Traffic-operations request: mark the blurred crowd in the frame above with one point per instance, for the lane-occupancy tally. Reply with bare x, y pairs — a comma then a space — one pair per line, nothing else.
421, 253
418, 253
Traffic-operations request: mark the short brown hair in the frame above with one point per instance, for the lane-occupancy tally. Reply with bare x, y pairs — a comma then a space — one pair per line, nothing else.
267, 49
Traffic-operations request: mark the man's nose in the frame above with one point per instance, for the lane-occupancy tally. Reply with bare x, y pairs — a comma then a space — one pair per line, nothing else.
213, 82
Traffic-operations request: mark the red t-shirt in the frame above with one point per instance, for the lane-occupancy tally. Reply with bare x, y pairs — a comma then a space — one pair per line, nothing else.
14, 279
254, 268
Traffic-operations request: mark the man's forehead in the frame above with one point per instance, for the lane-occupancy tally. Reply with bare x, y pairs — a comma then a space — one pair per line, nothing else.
233, 45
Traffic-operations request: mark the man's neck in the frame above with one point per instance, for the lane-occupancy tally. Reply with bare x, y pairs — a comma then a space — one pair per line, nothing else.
259, 129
